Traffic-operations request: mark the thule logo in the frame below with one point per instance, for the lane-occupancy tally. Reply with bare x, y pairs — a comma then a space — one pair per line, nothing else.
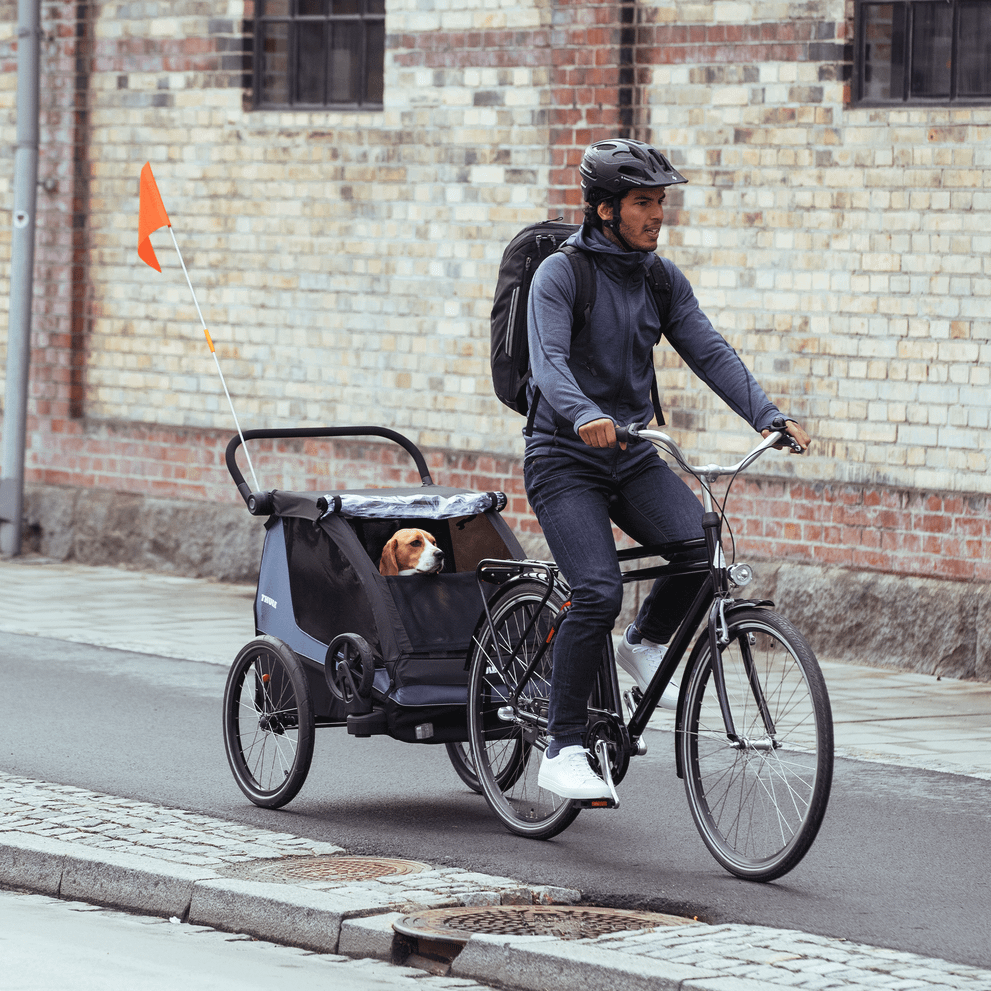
269, 602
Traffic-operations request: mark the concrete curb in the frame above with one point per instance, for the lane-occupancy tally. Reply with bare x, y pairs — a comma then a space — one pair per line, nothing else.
542, 963
32, 862
279, 913
350, 921
103, 877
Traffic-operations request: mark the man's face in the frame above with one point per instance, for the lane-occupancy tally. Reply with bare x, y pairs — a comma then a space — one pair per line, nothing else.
641, 214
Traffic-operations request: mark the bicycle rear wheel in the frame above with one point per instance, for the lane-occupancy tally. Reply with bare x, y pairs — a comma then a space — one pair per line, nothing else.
502, 742
758, 803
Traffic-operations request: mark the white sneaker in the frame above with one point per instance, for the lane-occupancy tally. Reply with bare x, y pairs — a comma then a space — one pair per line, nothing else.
640, 661
570, 775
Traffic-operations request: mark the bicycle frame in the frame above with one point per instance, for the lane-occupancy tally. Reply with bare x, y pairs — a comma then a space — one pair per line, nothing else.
711, 603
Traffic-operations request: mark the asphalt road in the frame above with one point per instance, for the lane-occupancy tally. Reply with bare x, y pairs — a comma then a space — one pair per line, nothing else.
901, 860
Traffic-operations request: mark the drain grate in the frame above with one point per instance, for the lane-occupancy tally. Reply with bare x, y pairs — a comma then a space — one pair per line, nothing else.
344, 870
563, 921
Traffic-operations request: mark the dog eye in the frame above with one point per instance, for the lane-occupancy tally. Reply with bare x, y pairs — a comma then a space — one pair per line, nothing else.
416, 543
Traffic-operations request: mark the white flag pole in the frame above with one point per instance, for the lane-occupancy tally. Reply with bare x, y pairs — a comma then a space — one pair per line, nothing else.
216, 360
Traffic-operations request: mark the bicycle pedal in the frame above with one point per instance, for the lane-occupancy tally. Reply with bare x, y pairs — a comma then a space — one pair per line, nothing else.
596, 803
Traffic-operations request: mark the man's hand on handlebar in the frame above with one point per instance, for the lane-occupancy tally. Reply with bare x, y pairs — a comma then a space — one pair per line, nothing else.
799, 439
600, 433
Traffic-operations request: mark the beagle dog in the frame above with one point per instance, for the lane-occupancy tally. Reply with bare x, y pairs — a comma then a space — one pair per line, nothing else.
411, 552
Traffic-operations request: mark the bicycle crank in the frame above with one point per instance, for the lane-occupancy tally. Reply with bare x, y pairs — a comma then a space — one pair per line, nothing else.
602, 754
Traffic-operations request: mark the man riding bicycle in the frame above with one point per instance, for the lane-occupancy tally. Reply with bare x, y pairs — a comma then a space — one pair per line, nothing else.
579, 481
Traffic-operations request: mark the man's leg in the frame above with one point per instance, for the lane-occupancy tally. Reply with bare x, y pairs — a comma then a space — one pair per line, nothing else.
571, 502
655, 506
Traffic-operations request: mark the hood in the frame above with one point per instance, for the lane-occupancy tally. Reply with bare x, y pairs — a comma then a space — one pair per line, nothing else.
613, 259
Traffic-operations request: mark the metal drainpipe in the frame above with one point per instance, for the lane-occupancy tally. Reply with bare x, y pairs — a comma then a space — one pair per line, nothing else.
629, 90
21, 278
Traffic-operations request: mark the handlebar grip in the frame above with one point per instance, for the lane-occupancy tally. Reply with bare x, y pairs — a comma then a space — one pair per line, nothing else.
779, 423
632, 432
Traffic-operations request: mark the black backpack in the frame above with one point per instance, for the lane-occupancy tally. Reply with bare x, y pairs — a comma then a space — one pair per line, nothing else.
510, 354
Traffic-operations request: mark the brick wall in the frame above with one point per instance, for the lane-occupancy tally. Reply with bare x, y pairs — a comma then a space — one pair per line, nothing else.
844, 251
344, 262
868, 527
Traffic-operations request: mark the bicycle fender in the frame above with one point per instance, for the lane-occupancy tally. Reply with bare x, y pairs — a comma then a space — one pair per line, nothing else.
750, 604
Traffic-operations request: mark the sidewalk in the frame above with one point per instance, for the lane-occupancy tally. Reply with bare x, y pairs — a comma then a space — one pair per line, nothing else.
76, 844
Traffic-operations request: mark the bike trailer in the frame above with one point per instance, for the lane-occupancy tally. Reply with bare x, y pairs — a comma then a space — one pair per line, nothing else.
320, 592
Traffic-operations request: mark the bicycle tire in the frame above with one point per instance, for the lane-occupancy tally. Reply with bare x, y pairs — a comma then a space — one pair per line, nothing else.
759, 806
502, 750
268, 722
464, 766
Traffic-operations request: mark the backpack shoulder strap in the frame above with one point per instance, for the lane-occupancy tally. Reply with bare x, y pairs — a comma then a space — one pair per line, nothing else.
660, 285
584, 269
583, 266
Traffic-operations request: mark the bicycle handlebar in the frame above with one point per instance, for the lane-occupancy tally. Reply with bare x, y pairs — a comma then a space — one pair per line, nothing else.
660, 439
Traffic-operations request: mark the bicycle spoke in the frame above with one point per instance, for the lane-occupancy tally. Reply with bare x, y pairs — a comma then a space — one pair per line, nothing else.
268, 722
503, 737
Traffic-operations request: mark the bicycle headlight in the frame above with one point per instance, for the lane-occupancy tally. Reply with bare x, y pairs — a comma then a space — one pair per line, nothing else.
740, 574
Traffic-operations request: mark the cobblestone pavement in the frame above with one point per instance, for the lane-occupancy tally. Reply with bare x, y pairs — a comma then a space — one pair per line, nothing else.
106, 823
74, 844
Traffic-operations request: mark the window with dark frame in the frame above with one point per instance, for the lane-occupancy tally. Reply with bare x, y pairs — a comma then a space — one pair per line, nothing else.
313, 54
923, 51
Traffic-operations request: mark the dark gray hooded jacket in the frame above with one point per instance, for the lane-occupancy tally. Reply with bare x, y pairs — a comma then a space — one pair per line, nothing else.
607, 369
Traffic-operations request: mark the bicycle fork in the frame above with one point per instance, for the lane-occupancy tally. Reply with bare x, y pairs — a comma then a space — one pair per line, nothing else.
719, 635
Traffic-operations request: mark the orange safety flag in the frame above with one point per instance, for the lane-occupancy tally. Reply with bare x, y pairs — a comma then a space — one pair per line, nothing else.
151, 216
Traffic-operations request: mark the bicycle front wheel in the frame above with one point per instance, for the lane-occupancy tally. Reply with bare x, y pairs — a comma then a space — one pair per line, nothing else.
503, 737
758, 801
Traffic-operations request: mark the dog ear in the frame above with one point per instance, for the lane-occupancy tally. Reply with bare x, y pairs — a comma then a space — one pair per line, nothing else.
388, 564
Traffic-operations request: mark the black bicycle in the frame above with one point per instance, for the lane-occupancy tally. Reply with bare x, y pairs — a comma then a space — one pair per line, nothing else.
753, 730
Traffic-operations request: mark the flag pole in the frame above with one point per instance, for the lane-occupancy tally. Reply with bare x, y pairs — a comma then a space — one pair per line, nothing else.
216, 360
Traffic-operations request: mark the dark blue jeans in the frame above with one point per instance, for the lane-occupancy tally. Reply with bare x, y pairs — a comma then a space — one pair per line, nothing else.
576, 502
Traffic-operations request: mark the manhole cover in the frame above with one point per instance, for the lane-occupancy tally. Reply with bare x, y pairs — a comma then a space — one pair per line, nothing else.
342, 869
562, 921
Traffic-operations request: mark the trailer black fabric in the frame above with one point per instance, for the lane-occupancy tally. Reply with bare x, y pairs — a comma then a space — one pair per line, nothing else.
419, 627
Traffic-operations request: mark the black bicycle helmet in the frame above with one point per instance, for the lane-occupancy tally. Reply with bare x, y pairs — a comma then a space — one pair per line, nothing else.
614, 167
